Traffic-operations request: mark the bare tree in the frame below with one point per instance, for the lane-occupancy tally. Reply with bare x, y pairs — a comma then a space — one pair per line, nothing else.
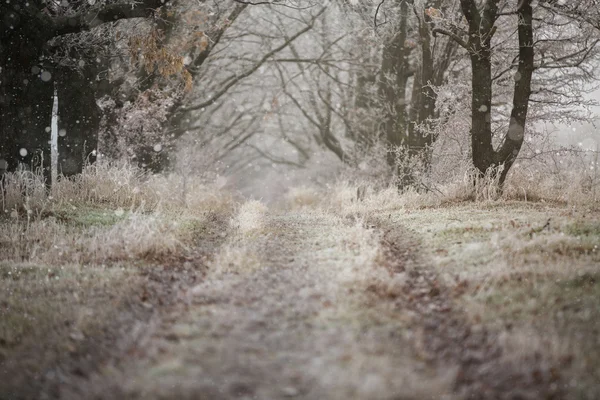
234, 111
488, 41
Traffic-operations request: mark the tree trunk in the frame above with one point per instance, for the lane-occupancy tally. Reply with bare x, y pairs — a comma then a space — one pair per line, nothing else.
481, 30
26, 93
365, 131
419, 139
79, 121
511, 147
481, 104
393, 84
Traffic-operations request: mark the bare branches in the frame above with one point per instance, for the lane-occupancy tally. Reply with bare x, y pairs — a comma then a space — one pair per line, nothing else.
215, 37
274, 159
453, 36
377, 13
255, 67
272, 3
62, 25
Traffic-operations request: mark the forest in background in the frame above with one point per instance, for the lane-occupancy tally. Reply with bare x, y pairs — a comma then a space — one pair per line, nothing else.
382, 91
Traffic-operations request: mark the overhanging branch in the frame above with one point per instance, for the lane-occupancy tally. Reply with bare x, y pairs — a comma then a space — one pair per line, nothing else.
453, 36
63, 25
254, 68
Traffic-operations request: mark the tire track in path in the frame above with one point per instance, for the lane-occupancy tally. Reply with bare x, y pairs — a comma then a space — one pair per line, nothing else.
448, 339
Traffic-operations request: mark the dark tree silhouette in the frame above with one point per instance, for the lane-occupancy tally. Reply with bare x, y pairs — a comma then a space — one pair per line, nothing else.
28, 77
482, 26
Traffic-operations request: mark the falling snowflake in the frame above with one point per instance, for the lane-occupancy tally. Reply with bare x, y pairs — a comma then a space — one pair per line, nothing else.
46, 76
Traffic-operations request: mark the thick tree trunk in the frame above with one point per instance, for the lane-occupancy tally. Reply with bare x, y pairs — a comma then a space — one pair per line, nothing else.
26, 93
419, 139
422, 109
393, 84
79, 122
481, 30
509, 150
481, 104
427, 96
365, 126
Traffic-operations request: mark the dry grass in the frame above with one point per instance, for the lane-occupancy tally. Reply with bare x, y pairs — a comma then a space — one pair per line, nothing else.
235, 258
528, 270
74, 259
566, 177
53, 313
134, 237
237, 255
62, 291
108, 213
250, 217
344, 200
303, 196
113, 186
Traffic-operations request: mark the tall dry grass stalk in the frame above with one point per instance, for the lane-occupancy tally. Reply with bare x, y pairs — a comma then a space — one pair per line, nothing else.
111, 185
109, 213
138, 237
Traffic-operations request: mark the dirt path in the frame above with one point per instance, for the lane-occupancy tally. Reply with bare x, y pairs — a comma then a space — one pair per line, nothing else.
309, 306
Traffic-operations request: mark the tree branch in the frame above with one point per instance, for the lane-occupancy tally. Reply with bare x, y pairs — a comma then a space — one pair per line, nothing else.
453, 36
271, 3
63, 25
274, 159
250, 71
215, 37
377, 14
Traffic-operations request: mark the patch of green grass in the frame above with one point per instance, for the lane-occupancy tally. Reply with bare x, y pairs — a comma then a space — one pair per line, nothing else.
83, 217
16, 271
511, 302
55, 314
584, 228
50, 313
89, 216
587, 284
576, 248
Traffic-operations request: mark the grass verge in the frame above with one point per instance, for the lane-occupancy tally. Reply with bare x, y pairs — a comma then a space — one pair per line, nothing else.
528, 271
83, 265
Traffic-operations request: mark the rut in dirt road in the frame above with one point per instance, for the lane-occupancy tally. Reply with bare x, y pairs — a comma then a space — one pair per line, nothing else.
311, 306
448, 339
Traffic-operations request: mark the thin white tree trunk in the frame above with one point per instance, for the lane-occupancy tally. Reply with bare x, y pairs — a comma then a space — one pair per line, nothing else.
54, 140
